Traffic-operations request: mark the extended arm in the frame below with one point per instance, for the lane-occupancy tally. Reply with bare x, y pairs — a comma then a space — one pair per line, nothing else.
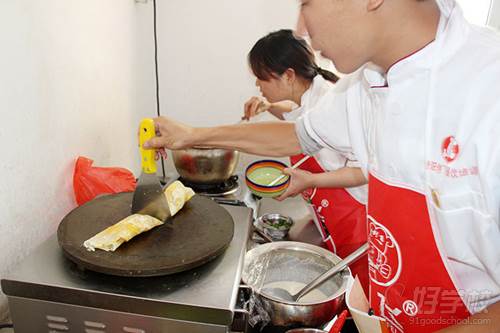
266, 138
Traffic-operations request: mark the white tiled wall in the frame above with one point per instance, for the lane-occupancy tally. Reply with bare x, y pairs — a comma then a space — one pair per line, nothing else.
203, 48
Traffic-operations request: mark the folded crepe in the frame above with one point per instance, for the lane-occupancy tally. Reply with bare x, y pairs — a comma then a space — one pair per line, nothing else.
112, 237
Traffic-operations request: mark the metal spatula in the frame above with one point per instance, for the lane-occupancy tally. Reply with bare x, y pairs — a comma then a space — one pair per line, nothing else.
149, 198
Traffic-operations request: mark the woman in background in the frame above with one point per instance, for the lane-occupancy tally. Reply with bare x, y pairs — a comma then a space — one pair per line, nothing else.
292, 83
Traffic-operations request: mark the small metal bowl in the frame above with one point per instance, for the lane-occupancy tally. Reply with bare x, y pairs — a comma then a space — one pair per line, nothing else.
276, 226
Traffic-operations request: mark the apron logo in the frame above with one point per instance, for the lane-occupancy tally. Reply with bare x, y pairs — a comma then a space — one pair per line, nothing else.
391, 315
450, 149
384, 254
325, 203
410, 308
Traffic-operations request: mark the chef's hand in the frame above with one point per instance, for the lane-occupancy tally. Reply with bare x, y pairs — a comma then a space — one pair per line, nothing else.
170, 134
254, 106
300, 180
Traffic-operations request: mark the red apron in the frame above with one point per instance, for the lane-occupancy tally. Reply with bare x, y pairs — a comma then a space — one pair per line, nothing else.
342, 217
409, 284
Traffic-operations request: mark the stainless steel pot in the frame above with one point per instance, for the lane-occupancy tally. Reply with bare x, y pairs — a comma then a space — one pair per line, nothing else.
205, 165
299, 263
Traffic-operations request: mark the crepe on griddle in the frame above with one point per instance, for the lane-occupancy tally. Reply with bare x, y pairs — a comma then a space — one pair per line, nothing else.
112, 237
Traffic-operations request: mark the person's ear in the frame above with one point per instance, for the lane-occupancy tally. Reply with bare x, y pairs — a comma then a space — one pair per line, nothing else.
289, 75
374, 5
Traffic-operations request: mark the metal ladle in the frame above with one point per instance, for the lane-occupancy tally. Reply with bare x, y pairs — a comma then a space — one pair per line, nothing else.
284, 295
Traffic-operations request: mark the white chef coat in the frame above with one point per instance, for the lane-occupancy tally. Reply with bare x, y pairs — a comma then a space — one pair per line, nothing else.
329, 159
432, 125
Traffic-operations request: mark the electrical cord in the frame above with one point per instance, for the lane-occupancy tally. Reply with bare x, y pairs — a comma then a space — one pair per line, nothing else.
157, 79
157, 76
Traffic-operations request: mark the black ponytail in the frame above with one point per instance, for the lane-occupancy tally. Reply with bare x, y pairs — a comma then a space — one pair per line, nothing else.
280, 50
327, 75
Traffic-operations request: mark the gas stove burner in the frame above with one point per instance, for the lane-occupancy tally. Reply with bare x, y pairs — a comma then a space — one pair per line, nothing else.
227, 187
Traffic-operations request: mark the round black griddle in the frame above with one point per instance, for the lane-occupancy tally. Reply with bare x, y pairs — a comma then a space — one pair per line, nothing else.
200, 232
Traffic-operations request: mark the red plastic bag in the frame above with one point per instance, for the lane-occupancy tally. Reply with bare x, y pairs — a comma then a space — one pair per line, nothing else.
90, 181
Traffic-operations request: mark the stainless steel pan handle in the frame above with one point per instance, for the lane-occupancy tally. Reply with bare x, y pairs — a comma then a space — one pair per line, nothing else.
241, 316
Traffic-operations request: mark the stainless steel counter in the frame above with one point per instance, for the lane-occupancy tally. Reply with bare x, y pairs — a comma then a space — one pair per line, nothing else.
207, 294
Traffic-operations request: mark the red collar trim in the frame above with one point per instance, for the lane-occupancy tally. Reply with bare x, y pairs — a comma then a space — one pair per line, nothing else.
400, 60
